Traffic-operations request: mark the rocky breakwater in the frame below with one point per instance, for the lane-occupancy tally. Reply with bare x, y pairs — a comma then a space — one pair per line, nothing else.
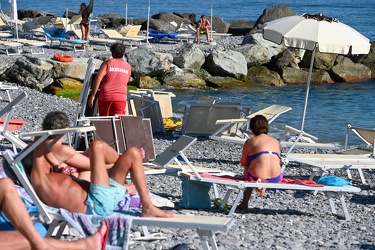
234, 61
254, 62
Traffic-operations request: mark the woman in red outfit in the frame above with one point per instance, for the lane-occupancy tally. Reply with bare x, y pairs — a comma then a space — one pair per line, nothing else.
113, 77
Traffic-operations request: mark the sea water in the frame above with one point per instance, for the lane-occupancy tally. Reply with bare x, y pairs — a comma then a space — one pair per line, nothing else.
331, 106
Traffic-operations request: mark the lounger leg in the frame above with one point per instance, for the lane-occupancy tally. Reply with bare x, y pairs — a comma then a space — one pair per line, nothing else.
203, 235
226, 197
235, 203
362, 176
350, 177
216, 192
340, 195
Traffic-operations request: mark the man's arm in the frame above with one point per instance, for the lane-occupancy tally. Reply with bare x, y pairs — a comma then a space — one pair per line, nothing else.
98, 79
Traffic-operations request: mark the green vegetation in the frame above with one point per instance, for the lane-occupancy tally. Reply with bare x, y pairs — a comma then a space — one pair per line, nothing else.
68, 93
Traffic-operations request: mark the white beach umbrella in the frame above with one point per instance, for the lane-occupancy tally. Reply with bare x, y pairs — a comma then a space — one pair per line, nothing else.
313, 32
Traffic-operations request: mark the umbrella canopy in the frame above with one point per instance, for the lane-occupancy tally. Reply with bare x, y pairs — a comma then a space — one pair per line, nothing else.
307, 31
311, 32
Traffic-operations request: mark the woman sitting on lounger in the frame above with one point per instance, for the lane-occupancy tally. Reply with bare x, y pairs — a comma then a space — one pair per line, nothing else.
260, 158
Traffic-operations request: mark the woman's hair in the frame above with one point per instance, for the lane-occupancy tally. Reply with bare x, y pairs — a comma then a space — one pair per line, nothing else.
83, 5
118, 50
259, 125
203, 16
55, 120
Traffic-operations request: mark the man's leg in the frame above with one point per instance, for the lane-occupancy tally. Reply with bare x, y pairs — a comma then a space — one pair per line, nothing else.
208, 35
198, 34
130, 160
11, 205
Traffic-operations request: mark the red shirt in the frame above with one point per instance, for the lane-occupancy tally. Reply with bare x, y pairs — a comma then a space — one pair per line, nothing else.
114, 84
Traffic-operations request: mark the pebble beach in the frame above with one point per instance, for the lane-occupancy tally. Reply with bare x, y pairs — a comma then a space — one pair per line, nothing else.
281, 219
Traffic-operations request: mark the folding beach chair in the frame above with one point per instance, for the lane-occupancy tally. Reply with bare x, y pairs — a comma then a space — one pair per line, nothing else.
240, 135
366, 135
199, 119
7, 112
60, 36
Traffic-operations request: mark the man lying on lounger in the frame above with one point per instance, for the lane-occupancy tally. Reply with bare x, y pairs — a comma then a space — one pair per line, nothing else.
260, 158
67, 160
26, 237
101, 195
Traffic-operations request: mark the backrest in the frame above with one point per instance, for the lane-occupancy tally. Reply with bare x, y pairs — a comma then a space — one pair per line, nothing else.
138, 133
133, 30
146, 107
75, 19
44, 20
200, 118
18, 170
111, 33
172, 152
111, 131
271, 112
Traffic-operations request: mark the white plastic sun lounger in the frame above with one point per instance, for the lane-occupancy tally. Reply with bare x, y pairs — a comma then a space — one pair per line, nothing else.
239, 186
366, 135
325, 162
240, 136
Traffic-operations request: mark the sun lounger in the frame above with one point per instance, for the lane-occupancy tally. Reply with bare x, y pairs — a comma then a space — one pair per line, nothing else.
12, 48
325, 162
200, 118
60, 36
36, 46
131, 35
366, 135
309, 141
239, 185
241, 133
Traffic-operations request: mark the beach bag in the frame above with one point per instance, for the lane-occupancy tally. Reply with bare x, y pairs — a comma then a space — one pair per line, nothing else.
195, 194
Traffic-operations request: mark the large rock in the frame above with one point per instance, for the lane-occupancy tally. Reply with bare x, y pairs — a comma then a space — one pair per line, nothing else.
282, 60
145, 63
296, 76
257, 38
226, 63
240, 27
30, 72
255, 54
322, 61
146, 82
189, 56
64, 84
76, 69
270, 14
260, 75
218, 24
367, 60
181, 79
224, 82
345, 70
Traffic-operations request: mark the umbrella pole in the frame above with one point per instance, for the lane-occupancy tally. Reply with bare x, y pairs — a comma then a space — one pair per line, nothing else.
307, 89
126, 12
306, 100
148, 20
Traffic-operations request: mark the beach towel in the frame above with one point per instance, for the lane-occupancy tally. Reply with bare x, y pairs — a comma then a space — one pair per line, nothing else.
119, 226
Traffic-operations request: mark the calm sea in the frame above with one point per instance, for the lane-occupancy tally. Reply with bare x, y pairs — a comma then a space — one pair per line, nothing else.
330, 108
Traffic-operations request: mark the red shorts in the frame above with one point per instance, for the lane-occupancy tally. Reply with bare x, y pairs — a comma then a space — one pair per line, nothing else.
111, 108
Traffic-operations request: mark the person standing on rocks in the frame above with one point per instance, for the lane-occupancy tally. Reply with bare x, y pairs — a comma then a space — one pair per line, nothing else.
113, 78
85, 11
203, 25
260, 158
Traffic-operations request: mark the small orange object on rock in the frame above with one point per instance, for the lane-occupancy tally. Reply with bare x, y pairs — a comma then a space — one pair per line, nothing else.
63, 58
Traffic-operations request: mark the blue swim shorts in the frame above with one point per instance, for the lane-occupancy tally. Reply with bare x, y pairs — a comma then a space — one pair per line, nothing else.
101, 200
